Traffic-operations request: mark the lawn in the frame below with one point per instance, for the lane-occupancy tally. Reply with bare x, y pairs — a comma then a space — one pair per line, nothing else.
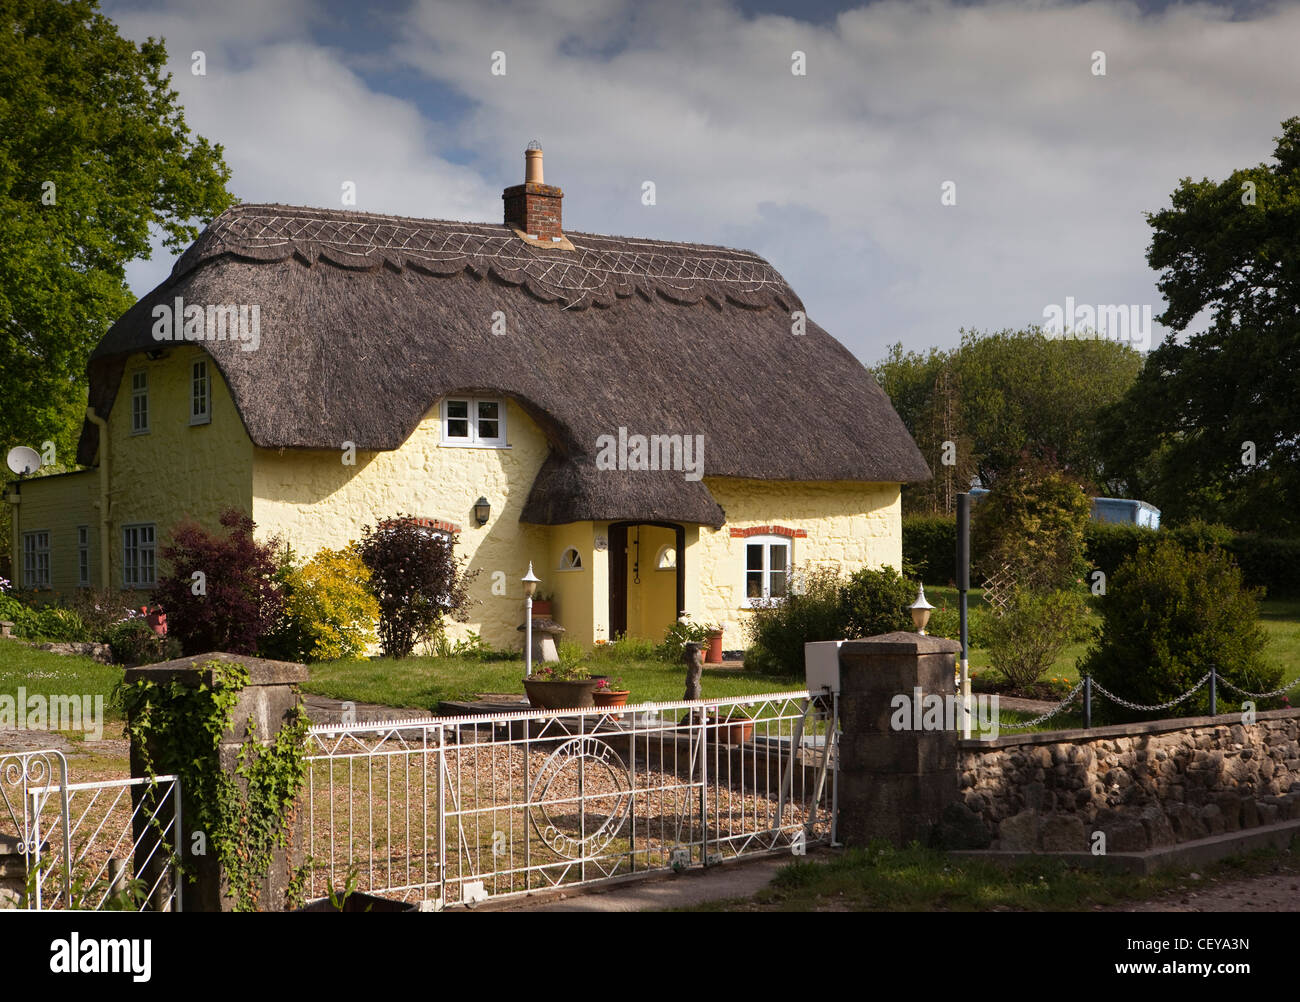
423, 682
914, 879
1280, 618
46, 674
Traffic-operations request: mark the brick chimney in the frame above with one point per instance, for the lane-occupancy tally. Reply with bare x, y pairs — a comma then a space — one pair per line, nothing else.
534, 207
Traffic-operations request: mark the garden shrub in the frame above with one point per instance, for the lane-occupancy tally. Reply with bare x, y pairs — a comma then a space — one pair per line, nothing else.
826, 607
945, 621
133, 642
874, 602
676, 637
1031, 632
329, 610
417, 580
1033, 520
1167, 615
238, 602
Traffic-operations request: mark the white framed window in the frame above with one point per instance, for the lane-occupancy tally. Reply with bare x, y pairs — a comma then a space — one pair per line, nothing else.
474, 421
200, 393
139, 402
767, 568
571, 560
36, 559
139, 563
666, 559
83, 556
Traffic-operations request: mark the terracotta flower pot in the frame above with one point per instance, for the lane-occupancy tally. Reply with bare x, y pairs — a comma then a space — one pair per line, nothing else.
713, 654
611, 697
566, 695
735, 732
542, 608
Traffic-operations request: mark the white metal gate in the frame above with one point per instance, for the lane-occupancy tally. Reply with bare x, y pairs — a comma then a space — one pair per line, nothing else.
92, 846
456, 809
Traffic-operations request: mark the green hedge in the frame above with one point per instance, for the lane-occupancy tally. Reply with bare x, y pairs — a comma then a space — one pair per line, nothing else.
1271, 563
930, 550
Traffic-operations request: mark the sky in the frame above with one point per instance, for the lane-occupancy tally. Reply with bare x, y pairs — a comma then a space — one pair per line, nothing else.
937, 165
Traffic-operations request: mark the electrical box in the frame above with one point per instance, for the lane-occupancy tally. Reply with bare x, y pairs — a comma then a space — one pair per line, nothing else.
821, 661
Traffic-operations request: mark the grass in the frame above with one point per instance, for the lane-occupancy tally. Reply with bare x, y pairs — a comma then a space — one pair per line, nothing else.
914, 879
1280, 618
45, 674
424, 682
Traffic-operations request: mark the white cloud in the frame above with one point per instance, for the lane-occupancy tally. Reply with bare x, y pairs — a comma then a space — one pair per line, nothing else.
835, 175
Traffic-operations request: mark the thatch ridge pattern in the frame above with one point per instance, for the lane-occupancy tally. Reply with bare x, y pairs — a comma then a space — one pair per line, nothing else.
599, 271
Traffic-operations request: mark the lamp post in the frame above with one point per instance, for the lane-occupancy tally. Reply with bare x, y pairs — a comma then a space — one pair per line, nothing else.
531, 581
920, 610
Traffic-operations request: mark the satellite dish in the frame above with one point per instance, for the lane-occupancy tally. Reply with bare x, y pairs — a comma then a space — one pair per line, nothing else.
23, 460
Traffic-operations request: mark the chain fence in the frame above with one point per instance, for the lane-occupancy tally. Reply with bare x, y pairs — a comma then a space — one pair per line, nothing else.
1087, 686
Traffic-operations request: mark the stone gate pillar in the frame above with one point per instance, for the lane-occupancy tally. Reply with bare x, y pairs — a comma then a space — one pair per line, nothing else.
895, 782
269, 700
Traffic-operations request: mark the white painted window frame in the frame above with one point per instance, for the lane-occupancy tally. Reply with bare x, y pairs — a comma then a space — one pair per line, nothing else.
576, 556
474, 441
205, 382
131, 570
767, 542
36, 545
140, 393
83, 556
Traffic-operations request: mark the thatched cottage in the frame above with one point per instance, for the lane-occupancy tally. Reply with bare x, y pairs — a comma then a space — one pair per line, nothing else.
656, 426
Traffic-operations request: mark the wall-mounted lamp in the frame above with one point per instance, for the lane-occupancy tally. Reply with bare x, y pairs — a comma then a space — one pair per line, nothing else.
482, 510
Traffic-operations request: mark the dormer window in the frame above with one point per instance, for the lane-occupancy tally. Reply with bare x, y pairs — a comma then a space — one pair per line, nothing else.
474, 421
200, 393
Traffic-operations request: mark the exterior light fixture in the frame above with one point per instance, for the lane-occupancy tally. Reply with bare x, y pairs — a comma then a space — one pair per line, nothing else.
920, 610
531, 581
482, 510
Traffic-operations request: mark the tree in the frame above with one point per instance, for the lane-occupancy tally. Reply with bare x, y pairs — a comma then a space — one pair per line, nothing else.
977, 410
94, 154
1211, 428
220, 592
1167, 616
926, 393
1032, 522
1025, 393
417, 579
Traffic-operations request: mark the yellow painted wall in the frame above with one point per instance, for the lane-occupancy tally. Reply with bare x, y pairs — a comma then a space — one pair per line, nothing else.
177, 470
314, 500
59, 504
849, 525
573, 591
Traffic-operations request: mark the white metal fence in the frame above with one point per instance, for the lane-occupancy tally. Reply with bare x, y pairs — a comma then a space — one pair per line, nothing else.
454, 810
92, 846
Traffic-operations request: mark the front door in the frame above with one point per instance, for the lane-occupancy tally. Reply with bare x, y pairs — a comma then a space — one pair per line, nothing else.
647, 578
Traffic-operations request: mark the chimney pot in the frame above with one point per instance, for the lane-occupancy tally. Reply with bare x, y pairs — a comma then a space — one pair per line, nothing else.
534, 206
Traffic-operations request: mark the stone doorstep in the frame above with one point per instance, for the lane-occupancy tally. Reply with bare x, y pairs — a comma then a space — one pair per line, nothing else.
1195, 852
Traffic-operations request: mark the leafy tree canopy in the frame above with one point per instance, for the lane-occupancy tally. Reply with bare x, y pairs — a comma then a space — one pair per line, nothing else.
1001, 397
94, 155
1211, 428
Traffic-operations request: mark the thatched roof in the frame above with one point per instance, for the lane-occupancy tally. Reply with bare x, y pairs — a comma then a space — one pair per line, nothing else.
366, 321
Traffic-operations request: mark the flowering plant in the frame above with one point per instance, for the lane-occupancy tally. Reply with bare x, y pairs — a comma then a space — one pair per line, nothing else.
610, 685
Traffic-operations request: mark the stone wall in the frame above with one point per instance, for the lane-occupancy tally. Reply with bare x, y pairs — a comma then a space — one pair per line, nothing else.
1144, 785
